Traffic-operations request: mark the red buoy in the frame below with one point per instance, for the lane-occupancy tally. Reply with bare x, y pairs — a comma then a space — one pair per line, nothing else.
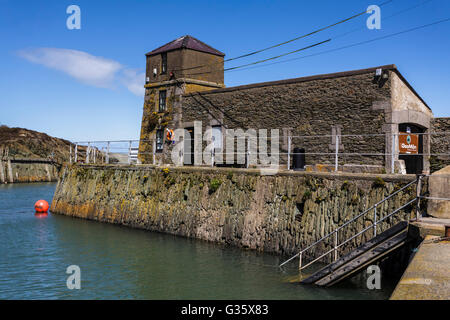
41, 206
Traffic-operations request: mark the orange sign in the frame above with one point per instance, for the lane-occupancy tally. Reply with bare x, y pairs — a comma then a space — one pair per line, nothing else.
408, 143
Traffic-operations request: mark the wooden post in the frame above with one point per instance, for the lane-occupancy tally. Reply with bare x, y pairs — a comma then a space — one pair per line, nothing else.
10, 171
107, 152
2, 174
129, 152
88, 150
76, 152
70, 155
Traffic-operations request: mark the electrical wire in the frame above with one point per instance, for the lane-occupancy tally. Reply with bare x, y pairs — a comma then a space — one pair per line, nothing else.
288, 41
264, 60
351, 45
386, 18
279, 56
238, 68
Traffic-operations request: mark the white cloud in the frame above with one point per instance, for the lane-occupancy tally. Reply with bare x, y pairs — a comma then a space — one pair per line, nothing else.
86, 68
134, 81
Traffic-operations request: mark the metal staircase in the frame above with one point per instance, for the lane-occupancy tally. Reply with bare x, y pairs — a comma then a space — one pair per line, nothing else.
365, 255
374, 249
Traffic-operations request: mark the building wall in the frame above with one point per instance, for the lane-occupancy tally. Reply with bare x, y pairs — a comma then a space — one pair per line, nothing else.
353, 103
174, 61
211, 70
406, 107
440, 143
184, 81
153, 120
404, 100
345, 104
180, 60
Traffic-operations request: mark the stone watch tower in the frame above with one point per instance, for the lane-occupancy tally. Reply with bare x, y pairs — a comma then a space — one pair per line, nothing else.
181, 66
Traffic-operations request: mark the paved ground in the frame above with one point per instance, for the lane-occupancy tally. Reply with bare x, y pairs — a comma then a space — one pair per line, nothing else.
428, 274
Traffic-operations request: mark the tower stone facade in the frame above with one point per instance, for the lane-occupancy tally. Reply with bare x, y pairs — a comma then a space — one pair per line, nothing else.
181, 66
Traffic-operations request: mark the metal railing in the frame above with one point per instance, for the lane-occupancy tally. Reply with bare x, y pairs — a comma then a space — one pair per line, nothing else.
334, 151
335, 233
106, 152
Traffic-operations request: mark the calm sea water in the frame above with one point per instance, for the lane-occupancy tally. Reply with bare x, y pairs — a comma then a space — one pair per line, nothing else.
123, 263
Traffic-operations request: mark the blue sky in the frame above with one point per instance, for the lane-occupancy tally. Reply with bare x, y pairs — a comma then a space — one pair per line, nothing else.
87, 84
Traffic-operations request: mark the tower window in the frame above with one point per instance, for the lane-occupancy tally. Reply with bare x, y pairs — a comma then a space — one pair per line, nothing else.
159, 140
163, 62
162, 100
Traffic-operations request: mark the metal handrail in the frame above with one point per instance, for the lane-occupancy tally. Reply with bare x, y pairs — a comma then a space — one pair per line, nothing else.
354, 236
374, 225
336, 231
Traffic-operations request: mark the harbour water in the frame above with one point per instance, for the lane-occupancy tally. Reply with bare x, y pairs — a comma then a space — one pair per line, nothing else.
123, 263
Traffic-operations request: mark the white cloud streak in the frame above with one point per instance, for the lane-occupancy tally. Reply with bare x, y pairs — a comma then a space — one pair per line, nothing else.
86, 68
134, 80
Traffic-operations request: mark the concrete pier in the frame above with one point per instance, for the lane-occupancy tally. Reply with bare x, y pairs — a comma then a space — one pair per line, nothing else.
428, 274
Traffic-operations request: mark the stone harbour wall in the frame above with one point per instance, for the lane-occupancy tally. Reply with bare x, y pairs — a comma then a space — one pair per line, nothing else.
279, 214
438, 187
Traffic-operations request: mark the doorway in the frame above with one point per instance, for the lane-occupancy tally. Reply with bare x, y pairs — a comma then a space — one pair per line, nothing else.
413, 162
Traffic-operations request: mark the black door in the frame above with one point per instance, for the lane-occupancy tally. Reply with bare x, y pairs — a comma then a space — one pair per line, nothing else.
413, 162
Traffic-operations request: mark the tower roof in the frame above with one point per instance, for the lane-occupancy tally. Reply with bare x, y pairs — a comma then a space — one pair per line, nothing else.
187, 42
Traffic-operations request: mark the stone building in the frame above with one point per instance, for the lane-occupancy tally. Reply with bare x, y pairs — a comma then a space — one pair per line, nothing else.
178, 67
365, 109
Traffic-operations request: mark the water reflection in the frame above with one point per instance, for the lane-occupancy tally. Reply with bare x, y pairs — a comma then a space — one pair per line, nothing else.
117, 262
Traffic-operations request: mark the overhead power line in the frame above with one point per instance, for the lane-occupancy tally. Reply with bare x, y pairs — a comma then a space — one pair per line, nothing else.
243, 67
264, 60
279, 56
288, 41
384, 18
305, 35
352, 45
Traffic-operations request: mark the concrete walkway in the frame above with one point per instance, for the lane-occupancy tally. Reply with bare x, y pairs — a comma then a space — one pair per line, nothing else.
428, 274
